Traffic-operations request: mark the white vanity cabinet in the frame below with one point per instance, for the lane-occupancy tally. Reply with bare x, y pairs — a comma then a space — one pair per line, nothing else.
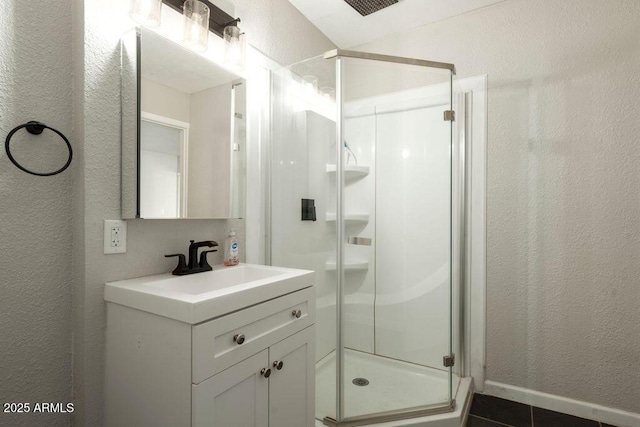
255, 393
252, 367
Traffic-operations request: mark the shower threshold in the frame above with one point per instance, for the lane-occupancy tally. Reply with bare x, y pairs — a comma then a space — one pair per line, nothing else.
395, 388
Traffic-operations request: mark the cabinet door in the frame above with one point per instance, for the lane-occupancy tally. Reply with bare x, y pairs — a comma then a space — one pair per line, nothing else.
238, 396
292, 388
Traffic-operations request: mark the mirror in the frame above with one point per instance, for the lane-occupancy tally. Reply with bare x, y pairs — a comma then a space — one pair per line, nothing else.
183, 132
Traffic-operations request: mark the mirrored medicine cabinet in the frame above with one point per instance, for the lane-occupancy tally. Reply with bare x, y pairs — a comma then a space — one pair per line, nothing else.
183, 132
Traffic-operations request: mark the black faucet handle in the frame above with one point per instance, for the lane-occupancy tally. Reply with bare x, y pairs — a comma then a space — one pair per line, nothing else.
204, 264
181, 268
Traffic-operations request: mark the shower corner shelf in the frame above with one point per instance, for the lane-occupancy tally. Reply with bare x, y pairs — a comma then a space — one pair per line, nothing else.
350, 171
353, 217
349, 265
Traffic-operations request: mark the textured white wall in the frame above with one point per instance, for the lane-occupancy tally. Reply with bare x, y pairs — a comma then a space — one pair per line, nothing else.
279, 30
35, 212
563, 188
98, 187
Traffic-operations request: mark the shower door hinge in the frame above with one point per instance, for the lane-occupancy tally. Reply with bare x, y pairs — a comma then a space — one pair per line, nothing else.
449, 361
449, 116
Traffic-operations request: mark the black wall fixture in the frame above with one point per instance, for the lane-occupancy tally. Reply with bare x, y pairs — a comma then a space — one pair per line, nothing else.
36, 128
218, 19
308, 210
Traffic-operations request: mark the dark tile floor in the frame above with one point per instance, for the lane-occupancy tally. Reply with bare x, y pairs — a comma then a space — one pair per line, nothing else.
488, 411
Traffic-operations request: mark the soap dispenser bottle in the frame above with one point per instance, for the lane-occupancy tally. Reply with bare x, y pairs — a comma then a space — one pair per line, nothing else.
231, 250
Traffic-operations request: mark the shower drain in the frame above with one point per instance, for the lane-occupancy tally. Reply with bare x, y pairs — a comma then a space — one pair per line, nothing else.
360, 382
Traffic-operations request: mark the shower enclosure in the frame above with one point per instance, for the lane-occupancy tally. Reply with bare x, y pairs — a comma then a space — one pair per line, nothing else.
365, 186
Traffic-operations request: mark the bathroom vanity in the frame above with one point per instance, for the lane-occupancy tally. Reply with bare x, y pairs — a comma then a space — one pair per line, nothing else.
229, 347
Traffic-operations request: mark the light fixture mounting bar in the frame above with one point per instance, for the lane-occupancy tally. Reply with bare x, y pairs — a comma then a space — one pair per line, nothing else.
218, 18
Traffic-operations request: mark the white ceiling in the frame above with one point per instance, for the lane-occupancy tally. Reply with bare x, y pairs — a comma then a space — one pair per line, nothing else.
347, 28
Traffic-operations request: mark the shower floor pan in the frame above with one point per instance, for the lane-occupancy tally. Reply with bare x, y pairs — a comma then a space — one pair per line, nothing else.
392, 385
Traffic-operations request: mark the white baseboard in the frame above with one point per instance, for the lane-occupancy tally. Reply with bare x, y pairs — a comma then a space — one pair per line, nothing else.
573, 407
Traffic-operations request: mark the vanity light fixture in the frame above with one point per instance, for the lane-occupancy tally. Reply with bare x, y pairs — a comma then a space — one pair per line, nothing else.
218, 18
196, 25
145, 12
328, 93
216, 21
234, 48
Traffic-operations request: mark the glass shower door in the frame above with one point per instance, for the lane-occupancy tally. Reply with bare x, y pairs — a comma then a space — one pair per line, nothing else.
361, 193
394, 222
303, 168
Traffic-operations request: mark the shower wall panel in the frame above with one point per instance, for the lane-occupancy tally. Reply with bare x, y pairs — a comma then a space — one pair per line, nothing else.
360, 136
305, 144
412, 251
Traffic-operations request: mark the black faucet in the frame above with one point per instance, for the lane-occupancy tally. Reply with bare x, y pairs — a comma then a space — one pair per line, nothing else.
193, 251
194, 266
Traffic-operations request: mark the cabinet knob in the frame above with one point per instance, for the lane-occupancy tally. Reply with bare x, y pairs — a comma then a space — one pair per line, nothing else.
296, 313
265, 372
278, 364
238, 338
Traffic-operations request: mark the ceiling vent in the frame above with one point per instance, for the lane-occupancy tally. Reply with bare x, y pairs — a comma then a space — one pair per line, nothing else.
367, 7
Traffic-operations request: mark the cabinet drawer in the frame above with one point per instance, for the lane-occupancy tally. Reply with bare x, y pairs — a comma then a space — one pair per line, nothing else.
216, 344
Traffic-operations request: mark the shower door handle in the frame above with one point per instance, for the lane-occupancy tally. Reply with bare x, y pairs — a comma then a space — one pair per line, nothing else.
355, 240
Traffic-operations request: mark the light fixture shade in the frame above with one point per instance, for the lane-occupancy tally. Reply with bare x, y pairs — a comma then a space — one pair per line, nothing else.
196, 25
310, 83
234, 49
328, 93
145, 12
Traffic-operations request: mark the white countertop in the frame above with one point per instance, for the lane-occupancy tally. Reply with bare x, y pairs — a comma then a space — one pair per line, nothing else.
199, 297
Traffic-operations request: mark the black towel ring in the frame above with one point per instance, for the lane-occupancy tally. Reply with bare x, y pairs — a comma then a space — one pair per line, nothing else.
36, 128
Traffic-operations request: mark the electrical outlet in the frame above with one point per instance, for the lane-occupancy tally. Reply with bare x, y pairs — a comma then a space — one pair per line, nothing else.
115, 237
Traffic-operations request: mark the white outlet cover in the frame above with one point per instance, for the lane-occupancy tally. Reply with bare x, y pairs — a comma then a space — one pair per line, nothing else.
115, 236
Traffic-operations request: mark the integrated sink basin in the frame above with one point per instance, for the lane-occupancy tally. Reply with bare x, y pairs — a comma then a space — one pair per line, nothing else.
199, 297
220, 279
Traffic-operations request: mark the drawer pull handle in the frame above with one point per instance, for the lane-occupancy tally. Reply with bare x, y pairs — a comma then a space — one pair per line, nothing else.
278, 364
238, 338
296, 313
266, 372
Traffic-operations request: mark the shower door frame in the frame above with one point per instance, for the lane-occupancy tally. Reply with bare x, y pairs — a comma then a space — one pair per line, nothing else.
408, 413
